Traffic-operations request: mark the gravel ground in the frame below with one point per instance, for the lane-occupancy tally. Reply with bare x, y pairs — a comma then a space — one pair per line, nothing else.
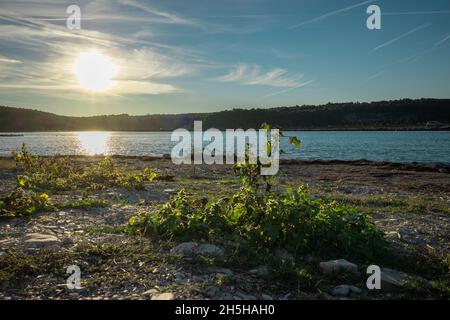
35, 251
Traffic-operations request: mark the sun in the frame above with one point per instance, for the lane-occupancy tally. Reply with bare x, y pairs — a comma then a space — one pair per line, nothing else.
95, 71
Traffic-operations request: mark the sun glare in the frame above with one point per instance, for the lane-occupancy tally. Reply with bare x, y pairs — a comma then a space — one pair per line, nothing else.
94, 142
94, 71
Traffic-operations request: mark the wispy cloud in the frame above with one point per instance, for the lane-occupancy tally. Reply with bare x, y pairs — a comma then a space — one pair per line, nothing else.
108, 10
283, 54
288, 89
376, 75
54, 48
447, 37
413, 13
146, 63
401, 36
171, 17
332, 13
4, 59
411, 58
254, 75
54, 10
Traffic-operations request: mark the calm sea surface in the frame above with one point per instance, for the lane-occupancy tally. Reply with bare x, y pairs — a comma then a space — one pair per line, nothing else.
395, 146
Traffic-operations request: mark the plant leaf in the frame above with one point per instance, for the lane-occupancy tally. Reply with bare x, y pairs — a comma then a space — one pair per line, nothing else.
295, 142
265, 126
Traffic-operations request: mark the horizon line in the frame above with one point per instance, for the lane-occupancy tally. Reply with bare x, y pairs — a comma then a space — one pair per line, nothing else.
221, 110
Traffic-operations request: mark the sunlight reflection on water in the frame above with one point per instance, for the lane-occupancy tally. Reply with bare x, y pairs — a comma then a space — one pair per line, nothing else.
397, 146
94, 142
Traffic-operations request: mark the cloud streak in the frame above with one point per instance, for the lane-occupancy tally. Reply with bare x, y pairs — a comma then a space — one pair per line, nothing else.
170, 17
400, 37
253, 75
54, 48
332, 13
288, 89
412, 13
4, 59
443, 40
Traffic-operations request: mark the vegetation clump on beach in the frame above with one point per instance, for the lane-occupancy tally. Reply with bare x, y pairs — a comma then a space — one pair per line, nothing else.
295, 221
22, 202
60, 173
39, 176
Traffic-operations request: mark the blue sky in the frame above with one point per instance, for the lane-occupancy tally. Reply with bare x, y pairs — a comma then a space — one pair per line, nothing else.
179, 56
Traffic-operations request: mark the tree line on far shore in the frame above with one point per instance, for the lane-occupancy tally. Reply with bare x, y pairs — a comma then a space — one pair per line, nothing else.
398, 114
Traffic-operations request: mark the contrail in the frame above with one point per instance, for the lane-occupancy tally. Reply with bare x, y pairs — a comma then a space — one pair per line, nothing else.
329, 14
442, 41
415, 13
401, 36
288, 89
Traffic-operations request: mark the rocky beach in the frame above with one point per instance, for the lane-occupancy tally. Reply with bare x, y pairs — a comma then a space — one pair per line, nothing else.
410, 204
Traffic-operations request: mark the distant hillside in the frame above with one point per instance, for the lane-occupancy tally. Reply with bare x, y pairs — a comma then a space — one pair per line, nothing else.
398, 114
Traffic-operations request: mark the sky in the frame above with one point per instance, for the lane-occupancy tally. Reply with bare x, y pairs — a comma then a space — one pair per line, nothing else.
184, 56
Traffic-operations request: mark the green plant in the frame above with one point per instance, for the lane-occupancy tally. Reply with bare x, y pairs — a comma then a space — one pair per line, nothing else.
250, 173
24, 203
267, 221
24, 159
61, 173
264, 220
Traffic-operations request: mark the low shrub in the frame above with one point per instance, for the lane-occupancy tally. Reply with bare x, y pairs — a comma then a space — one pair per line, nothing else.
61, 173
24, 203
294, 221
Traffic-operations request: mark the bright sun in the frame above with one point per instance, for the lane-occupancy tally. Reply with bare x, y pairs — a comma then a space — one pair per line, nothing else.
95, 71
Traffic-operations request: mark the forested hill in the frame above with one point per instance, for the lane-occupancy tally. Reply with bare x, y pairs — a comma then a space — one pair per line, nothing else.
398, 114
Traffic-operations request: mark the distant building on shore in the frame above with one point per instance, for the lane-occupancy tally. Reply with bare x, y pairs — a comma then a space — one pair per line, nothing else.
434, 124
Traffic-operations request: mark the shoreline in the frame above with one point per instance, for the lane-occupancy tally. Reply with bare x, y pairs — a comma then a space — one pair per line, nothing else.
325, 129
411, 166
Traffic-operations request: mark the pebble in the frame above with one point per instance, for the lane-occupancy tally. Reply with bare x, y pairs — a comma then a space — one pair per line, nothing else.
337, 266
245, 296
225, 271
163, 296
226, 296
150, 292
38, 240
345, 290
392, 280
192, 248
211, 291
71, 225
262, 271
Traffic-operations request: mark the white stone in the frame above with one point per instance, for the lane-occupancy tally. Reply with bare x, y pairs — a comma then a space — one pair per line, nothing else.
163, 296
150, 292
185, 248
210, 250
41, 240
192, 248
262, 271
341, 291
245, 296
345, 290
392, 280
337, 266
225, 271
